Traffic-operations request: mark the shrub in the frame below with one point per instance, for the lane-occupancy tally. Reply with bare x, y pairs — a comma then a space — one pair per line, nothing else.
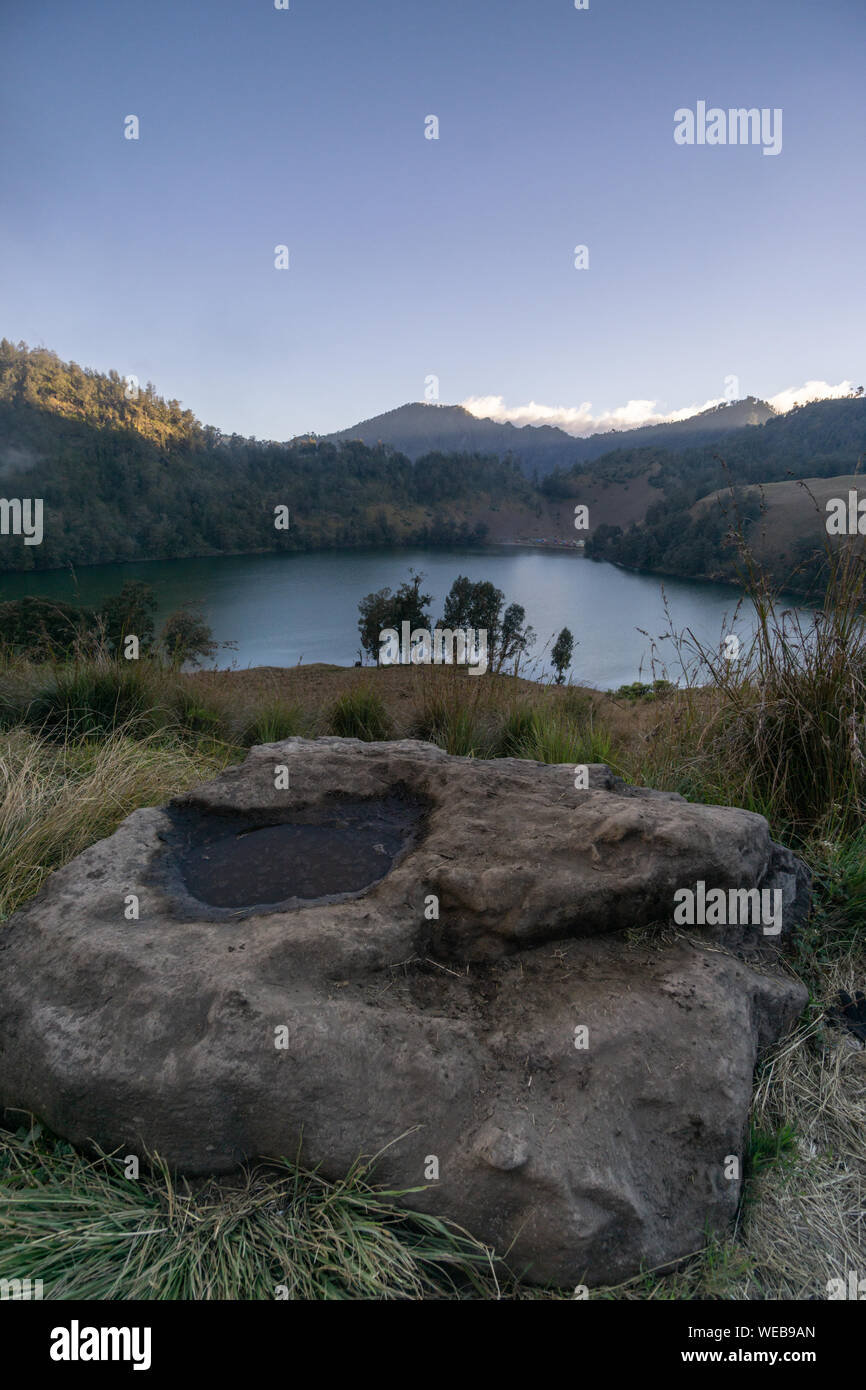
129, 613
360, 713
92, 699
272, 723
186, 637
16, 696
639, 690
453, 721
45, 629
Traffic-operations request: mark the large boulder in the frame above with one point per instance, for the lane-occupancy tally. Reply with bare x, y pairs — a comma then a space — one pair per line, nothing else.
344, 948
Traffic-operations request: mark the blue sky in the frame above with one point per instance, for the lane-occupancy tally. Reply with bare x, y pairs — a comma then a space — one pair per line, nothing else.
411, 257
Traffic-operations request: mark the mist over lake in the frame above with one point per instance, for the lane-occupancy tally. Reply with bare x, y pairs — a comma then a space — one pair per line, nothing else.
303, 607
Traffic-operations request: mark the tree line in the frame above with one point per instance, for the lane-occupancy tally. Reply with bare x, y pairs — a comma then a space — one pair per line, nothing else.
122, 626
478, 605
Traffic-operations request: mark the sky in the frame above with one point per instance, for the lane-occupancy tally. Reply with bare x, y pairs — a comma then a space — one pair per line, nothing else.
712, 269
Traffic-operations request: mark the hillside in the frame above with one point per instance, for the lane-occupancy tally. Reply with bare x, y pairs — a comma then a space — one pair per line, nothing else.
823, 441
142, 479
792, 521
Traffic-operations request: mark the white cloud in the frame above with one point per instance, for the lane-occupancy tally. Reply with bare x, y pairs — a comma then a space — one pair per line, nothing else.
812, 391
580, 420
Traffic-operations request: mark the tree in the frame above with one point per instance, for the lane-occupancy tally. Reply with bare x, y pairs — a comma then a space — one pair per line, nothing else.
187, 637
479, 606
46, 629
383, 609
129, 613
561, 654
515, 638
476, 605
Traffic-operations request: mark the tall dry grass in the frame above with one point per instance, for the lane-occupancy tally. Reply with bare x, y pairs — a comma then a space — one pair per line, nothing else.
56, 799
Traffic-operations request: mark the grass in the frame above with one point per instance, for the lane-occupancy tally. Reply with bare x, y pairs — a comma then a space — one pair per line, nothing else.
781, 728
555, 739
56, 799
92, 699
454, 725
360, 713
272, 722
90, 1232
768, 1148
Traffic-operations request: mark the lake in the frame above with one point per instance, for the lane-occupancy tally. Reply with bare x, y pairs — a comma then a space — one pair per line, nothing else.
285, 609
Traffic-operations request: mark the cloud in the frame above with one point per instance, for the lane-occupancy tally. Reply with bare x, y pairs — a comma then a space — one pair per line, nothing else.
812, 391
16, 458
580, 420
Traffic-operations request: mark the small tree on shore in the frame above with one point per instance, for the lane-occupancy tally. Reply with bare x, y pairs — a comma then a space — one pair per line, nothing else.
384, 609
127, 614
479, 606
187, 637
561, 654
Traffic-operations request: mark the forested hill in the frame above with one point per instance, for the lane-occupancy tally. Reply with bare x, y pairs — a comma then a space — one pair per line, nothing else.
125, 479
686, 530
37, 379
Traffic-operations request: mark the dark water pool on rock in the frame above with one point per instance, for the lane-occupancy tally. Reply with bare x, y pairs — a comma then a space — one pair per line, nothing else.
245, 862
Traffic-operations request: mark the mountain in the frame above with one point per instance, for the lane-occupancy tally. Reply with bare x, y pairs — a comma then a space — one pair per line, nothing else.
419, 428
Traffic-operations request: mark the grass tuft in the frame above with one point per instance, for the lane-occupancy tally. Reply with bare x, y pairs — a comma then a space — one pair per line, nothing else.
277, 1231
360, 713
273, 722
55, 800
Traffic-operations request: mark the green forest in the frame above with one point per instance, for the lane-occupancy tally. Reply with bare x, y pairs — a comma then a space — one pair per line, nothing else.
126, 475
127, 479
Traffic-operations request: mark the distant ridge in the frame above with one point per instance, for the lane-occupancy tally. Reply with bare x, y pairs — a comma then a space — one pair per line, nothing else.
419, 428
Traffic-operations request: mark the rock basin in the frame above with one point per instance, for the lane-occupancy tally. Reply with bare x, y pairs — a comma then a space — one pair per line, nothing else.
325, 854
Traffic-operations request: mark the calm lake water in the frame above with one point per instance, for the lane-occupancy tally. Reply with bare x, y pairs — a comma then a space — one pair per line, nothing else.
285, 609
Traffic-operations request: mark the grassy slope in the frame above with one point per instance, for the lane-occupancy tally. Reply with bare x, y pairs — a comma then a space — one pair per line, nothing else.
793, 513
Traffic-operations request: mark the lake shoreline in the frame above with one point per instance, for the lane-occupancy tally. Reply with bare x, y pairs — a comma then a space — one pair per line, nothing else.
280, 608
488, 547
